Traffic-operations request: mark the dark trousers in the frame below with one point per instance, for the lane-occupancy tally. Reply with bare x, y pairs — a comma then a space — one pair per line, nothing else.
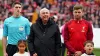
63, 49
11, 49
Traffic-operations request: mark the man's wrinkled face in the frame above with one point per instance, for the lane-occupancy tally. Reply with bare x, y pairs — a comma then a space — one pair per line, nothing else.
44, 14
78, 13
17, 8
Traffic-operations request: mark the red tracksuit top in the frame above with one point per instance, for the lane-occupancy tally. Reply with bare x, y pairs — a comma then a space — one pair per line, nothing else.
76, 33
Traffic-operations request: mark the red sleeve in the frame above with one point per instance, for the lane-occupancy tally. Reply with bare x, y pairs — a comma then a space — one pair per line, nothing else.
66, 39
90, 32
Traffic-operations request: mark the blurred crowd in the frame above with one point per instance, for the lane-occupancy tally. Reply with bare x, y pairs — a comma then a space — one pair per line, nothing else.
60, 9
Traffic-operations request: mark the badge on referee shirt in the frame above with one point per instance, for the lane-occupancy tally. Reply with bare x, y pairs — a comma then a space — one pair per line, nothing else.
21, 28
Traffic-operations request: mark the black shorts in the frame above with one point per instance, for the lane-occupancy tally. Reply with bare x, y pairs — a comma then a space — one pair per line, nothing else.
11, 49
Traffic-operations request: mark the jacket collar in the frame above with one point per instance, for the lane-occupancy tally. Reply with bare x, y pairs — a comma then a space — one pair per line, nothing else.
40, 23
90, 54
78, 21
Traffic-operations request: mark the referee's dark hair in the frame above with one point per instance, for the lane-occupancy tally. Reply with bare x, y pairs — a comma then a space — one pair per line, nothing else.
16, 3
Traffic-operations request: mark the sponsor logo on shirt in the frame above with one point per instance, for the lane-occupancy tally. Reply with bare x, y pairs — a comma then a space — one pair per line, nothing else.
21, 28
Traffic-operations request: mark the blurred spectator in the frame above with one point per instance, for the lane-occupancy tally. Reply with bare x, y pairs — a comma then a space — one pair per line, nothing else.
62, 8
35, 14
39, 2
1, 21
45, 4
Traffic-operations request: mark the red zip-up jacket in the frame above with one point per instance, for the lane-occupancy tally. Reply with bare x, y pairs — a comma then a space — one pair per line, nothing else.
76, 33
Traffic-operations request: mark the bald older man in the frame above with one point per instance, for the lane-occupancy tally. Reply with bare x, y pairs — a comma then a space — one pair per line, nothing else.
44, 38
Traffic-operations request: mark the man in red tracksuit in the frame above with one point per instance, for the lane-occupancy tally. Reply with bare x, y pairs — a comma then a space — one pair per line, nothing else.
76, 32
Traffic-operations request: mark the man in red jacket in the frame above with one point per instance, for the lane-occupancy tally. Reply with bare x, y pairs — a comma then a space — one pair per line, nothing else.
76, 32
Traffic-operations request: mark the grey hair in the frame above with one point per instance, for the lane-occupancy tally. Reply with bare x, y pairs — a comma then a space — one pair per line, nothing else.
43, 9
